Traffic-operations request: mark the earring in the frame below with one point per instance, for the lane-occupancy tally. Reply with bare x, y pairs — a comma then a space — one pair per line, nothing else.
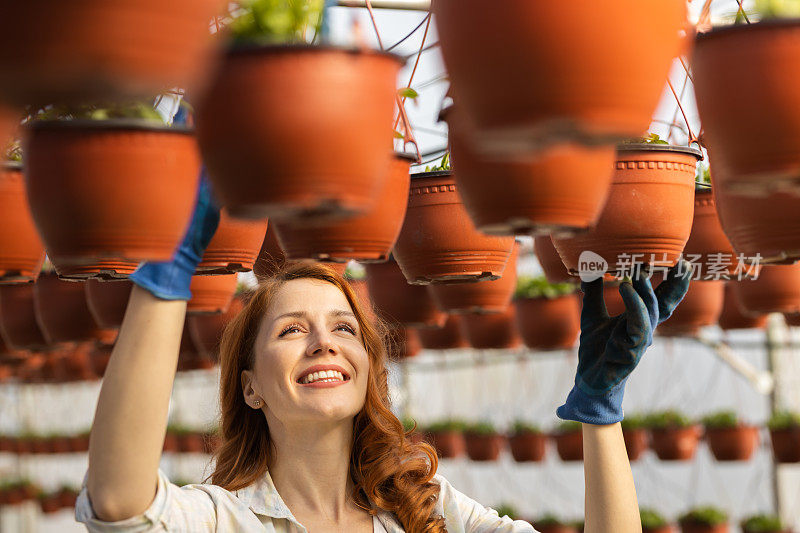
257, 402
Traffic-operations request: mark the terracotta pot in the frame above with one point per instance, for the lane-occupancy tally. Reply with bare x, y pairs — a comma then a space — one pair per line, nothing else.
190, 442
732, 444
569, 445
708, 248
756, 148
79, 443
77, 208
494, 331
516, 108
447, 337
484, 447
170, 442
615, 305
553, 267
555, 528
648, 213
674, 444
18, 325
108, 301
636, 442
65, 53
786, 444
297, 131
448, 444
733, 315
701, 307
403, 343
61, 310
548, 323
270, 258
234, 247
688, 527
21, 249
50, 503
368, 237
398, 302
78, 363
439, 243
211, 294
663, 529
478, 297
527, 446
777, 289
206, 330
108, 269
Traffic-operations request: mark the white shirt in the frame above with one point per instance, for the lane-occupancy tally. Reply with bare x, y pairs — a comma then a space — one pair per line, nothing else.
259, 508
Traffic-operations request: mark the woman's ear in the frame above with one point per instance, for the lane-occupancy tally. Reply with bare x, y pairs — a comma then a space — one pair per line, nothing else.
251, 397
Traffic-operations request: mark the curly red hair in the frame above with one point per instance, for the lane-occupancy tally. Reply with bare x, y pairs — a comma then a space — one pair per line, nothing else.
388, 471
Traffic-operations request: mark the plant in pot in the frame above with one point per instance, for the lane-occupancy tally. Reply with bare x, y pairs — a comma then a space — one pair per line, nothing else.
569, 440
733, 315
776, 289
447, 437
234, 247
50, 502
654, 522
527, 442
396, 301
483, 441
552, 524
634, 432
550, 261
729, 438
784, 430
673, 436
547, 314
763, 523
701, 307
705, 519
495, 331
446, 337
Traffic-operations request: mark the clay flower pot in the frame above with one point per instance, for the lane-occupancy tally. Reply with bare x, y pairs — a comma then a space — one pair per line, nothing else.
569, 445
211, 294
786, 444
108, 301
297, 131
368, 237
689, 527
398, 302
64, 52
50, 503
482, 447
555, 528
701, 307
446, 337
206, 330
478, 297
708, 248
234, 247
755, 149
733, 316
190, 442
515, 108
270, 258
732, 444
439, 243
108, 269
527, 446
403, 342
448, 444
170, 442
674, 444
18, 325
548, 323
776, 289
663, 529
648, 212
83, 215
21, 249
615, 305
61, 310
550, 261
636, 442
490, 332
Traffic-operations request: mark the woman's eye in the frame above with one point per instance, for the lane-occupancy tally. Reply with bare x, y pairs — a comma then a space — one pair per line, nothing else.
347, 327
288, 329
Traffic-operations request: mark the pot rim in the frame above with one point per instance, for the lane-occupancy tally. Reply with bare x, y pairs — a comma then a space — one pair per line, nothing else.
263, 48
644, 147
111, 124
754, 26
432, 174
12, 165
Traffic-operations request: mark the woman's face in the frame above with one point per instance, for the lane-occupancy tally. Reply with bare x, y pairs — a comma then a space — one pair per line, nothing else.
310, 363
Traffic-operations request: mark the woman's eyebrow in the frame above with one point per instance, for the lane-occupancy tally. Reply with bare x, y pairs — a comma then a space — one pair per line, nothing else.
341, 312
292, 314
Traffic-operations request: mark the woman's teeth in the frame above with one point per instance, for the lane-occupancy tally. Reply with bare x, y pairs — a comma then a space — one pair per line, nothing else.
323, 376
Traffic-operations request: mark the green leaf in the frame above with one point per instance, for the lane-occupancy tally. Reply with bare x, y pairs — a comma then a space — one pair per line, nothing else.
407, 92
398, 135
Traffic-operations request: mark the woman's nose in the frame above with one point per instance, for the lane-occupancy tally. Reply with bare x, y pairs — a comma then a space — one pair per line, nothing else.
321, 344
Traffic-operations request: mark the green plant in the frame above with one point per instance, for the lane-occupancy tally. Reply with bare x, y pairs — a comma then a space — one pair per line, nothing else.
708, 515
568, 426
721, 420
480, 428
667, 419
784, 420
651, 138
634, 421
409, 424
539, 287
770, 9
505, 509
242, 288
651, 519
446, 425
444, 164
703, 175
136, 110
14, 151
762, 523
355, 273
521, 426
548, 520
276, 21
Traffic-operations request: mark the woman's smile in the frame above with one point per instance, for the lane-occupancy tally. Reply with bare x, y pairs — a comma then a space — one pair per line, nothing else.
323, 376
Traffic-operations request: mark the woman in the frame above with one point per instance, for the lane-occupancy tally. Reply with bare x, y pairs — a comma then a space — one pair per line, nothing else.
309, 442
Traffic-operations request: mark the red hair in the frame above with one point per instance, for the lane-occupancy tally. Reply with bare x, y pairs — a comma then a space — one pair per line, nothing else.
388, 471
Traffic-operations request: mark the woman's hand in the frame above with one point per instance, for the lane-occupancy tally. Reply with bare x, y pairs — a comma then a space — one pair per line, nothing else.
611, 347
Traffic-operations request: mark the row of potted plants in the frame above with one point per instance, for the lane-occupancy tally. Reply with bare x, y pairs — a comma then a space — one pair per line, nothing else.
15, 492
710, 519
54, 501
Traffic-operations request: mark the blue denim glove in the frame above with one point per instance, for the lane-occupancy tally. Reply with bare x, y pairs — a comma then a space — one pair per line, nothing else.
611, 347
170, 280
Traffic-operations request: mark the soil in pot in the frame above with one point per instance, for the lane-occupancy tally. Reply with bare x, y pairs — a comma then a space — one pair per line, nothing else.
108, 301
786, 444
447, 337
708, 248
18, 325
484, 447
21, 248
211, 294
636, 442
648, 215
569, 445
701, 307
493, 331
299, 132
674, 444
732, 444
439, 243
448, 444
398, 302
234, 247
733, 316
368, 237
548, 323
62, 312
776, 289
550, 261
527, 446
206, 330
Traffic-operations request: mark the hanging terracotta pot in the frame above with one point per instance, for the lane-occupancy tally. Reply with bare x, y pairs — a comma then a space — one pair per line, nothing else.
732, 444
544, 97
18, 325
494, 331
234, 247
83, 215
439, 243
786, 444
708, 248
527, 446
368, 237
754, 147
403, 343
66, 53
449, 444
775, 290
562, 189
108, 301
636, 442
211, 294
548, 323
270, 258
733, 316
62, 312
550, 261
446, 337
569, 445
107, 269
21, 249
297, 131
206, 330
675, 444
701, 307
398, 302
484, 447
492, 296
615, 305
648, 213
